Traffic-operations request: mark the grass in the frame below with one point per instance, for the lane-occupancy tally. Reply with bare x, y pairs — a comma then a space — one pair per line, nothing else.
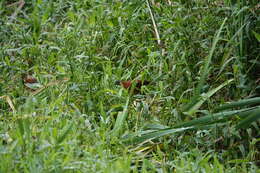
77, 120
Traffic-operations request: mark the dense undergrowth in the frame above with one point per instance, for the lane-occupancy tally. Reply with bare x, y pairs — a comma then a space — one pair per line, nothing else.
77, 120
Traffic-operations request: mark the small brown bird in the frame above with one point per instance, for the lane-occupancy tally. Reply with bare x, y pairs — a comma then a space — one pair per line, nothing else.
30, 82
137, 84
29, 79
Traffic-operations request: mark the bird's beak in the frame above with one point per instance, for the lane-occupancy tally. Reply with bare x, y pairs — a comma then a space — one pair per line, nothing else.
118, 82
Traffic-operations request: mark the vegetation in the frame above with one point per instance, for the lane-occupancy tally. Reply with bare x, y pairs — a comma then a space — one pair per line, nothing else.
199, 113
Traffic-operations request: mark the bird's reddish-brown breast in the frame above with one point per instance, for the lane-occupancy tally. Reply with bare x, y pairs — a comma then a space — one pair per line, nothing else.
137, 84
126, 84
29, 79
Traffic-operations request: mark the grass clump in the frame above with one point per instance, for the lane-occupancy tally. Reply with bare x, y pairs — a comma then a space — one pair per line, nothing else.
200, 112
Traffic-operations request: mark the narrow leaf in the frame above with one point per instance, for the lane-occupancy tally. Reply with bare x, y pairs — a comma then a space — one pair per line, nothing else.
245, 102
257, 36
64, 133
120, 120
140, 137
205, 97
251, 118
208, 119
205, 71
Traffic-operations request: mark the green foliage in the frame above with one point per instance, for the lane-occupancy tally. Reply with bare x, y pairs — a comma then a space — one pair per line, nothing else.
76, 120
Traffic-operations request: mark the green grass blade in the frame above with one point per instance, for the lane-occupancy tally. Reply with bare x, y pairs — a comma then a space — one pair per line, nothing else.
155, 126
197, 123
141, 137
208, 119
208, 60
20, 126
206, 69
257, 36
205, 97
64, 133
251, 118
120, 120
241, 103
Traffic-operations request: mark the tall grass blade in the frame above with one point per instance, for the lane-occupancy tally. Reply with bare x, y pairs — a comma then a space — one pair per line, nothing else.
120, 120
20, 126
206, 69
257, 36
208, 60
143, 137
64, 133
205, 97
202, 122
254, 116
241, 103
209, 119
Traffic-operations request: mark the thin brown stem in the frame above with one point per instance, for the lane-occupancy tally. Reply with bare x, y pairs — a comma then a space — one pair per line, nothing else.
154, 24
20, 4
